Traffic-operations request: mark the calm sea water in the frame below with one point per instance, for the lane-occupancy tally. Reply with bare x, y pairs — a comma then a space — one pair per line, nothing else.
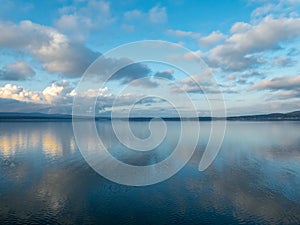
255, 179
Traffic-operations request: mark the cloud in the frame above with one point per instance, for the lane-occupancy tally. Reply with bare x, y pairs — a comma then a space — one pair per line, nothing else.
58, 97
284, 95
12, 105
191, 84
132, 72
128, 28
212, 39
16, 71
125, 75
57, 53
203, 83
78, 19
284, 62
285, 87
57, 92
293, 52
182, 34
241, 50
133, 14
244, 77
193, 56
278, 8
145, 82
157, 14
54, 50
240, 27
278, 83
137, 74
10, 91
168, 74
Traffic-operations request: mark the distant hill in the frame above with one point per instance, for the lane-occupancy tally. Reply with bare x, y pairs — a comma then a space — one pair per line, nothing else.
7, 116
268, 117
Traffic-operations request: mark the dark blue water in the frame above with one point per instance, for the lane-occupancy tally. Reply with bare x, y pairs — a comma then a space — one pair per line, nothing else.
255, 178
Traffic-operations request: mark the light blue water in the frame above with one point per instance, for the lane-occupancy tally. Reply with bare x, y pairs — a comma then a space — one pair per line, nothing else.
255, 179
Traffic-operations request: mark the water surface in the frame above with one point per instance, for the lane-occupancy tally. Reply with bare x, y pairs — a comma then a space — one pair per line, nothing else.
255, 179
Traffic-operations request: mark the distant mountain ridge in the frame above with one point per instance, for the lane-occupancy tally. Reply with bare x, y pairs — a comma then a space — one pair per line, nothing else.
268, 117
7, 116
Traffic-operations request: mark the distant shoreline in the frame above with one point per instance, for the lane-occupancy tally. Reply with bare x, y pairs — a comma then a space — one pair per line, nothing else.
40, 117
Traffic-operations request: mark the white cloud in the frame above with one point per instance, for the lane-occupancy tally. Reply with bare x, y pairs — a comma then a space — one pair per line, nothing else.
182, 34
58, 97
90, 93
16, 71
212, 39
78, 20
158, 14
192, 56
278, 8
155, 15
133, 14
240, 27
10, 91
263, 10
67, 22
128, 28
58, 91
242, 48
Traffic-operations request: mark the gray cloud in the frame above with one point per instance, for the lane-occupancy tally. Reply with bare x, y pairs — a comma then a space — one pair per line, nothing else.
16, 71
54, 50
131, 72
145, 82
58, 54
278, 83
284, 62
191, 84
286, 95
264, 107
293, 52
203, 83
244, 78
168, 74
12, 105
285, 87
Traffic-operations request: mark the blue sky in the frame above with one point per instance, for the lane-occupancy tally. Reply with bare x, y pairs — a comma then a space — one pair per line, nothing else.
250, 47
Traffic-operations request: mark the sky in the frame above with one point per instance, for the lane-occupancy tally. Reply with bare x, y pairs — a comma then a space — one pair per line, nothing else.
250, 49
